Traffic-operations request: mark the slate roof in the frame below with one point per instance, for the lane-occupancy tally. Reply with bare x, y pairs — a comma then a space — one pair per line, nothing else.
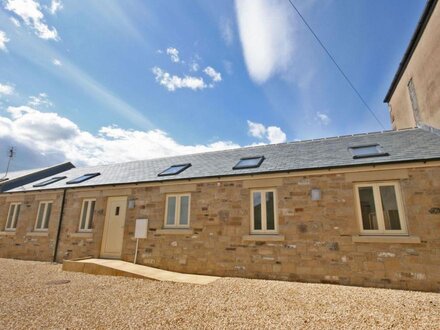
403, 146
20, 178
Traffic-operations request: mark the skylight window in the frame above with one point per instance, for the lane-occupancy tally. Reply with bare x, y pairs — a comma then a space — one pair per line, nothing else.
83, 178
249, 162
372, 150
50, 181
175, 169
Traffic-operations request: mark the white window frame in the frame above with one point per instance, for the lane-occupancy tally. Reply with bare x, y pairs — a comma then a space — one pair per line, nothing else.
89, 216
379, 209
177, 212
45, 205
14, 217
264, 229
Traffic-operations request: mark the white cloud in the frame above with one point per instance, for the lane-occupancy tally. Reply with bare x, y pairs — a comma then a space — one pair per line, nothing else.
15, 21
228, 67
267, 36
276, 135
55, 6
215, 76
194, 67
54, 137
6, 89
272, 134
174, 54
41, 100
323, 118
3, 41
56, 62
227, 31
30, 13
175, 82
256, 129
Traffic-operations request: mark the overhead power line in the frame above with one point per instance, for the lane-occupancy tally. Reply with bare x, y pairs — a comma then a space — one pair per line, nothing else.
336, 64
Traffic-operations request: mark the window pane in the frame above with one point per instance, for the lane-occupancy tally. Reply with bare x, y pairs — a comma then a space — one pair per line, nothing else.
17, 212
184, 207
270, 213
362, 151
171, 212
257, 210
10, 216
92, 211
84, 215
40, 216
368, 209
49, 210
390, 209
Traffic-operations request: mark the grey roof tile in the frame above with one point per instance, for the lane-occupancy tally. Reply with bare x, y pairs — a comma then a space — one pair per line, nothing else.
405, 145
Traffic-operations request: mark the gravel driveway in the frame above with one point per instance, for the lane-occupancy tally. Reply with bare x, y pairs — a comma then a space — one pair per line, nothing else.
36, 295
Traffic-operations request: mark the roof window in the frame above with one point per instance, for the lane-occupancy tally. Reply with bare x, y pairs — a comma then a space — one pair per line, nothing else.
366, 151
175, 169
50, 181
83, 178
249, 162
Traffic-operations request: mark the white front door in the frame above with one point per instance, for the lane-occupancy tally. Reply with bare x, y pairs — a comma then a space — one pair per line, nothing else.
113, 236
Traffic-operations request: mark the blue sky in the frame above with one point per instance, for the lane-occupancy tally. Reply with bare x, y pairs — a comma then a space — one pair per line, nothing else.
108, 81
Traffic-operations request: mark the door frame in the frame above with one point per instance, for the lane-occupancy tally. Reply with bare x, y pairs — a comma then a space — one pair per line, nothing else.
102, 253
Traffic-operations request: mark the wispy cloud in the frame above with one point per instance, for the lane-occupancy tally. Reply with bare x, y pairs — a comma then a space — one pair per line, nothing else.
40, 100
174, 54
6, 89
173, 82
15, 21
272, 134
30, 12
3, 41
267, 36
214, 75
55, 6
323, 118
56, 62
227, 31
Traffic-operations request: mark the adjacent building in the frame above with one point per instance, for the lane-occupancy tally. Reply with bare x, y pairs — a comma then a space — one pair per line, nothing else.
414, 94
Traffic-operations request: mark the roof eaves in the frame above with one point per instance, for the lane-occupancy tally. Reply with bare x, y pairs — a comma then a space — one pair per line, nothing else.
421, 25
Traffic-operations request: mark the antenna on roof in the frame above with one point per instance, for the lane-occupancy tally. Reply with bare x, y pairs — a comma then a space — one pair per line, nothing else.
11, 154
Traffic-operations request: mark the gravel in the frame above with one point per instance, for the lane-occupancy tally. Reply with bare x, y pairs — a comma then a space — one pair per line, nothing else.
40, 295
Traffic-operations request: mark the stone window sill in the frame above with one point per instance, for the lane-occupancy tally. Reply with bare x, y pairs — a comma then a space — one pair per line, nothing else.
81, 235
386, 239
38, 234
7, 233
174, 231
263, 238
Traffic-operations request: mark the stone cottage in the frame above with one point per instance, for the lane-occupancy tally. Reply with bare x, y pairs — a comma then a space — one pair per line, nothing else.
356, 210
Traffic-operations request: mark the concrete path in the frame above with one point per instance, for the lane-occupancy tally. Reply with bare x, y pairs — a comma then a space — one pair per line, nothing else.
123, 268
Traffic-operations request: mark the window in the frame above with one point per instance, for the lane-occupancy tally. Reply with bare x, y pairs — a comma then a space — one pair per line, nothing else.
11, 221
380, 208
50, 181
83, 178
43, 216
263, 212
175, 169
249, 162
372, 150
86, 219
177, 211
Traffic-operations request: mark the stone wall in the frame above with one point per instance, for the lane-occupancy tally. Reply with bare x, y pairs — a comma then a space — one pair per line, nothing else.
424, 69
315, 242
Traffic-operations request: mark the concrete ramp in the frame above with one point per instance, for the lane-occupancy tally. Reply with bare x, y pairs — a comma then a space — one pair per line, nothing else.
123, 268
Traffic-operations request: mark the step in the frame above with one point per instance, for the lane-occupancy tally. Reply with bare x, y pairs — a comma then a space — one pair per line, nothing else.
123, 268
